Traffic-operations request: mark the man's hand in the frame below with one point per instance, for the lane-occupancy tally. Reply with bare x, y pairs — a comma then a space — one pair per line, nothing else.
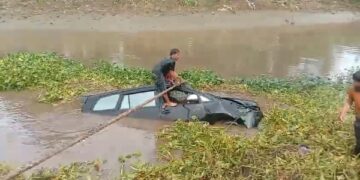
342, 117
179, 80
345, 109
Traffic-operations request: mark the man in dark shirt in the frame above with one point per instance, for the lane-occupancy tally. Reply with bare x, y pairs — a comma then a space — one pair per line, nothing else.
165, 70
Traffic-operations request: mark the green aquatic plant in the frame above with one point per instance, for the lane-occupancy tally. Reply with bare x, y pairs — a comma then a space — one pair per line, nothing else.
120, 76
62, 79
5, 170
190, 2
23, 70
201, 78
292, 84
73, 171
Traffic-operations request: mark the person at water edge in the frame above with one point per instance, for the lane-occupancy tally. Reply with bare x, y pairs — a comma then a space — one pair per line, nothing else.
165, 73
353, 97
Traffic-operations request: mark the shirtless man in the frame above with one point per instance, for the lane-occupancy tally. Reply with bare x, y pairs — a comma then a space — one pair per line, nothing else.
353, 97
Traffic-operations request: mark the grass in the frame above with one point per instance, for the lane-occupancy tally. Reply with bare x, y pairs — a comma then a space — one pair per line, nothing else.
196, 150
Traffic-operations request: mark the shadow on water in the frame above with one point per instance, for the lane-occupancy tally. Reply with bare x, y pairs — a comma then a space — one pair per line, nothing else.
279, 51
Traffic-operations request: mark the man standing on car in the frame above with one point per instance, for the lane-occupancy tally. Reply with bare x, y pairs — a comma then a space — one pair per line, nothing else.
165, 71
353, 97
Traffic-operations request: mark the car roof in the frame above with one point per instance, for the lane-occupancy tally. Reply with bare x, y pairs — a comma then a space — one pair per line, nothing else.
139, 90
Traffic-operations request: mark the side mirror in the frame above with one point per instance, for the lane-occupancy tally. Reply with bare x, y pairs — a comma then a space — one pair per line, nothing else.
193, 98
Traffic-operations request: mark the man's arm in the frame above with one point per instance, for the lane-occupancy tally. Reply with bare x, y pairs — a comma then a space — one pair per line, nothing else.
173, 74
175, 77
348, 103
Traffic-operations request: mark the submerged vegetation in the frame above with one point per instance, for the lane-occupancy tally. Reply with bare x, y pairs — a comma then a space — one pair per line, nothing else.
74, 171
302, 141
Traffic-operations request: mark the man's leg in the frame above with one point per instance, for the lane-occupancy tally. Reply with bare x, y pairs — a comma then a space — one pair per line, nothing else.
357, 136
161, 86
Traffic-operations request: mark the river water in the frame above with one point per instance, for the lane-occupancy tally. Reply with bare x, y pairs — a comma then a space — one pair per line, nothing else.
29, 129
279, 51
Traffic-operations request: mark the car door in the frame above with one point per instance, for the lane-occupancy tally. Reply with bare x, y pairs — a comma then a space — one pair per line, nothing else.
131, 100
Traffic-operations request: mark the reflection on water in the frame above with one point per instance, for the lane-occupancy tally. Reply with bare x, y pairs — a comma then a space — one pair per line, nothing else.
16, 143
281, 51
350, 57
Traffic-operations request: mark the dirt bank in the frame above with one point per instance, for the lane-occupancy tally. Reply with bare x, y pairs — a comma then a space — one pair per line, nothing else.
200, 21
23, 9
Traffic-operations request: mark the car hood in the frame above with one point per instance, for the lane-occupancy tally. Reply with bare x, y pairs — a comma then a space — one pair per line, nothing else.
242, 102
216, 111
242, 111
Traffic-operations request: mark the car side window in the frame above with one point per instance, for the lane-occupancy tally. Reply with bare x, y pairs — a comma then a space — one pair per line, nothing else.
133, 100
107, 103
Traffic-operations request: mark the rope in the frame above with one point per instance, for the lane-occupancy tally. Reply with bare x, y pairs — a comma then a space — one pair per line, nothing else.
86, 136
69, 132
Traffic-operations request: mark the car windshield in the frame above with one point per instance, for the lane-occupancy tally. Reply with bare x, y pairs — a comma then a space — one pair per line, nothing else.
180, 97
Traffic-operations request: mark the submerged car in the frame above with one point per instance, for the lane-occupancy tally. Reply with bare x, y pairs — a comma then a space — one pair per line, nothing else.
191, 104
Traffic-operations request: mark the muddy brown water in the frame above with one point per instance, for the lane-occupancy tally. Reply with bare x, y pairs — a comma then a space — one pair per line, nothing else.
28, 129
279, 51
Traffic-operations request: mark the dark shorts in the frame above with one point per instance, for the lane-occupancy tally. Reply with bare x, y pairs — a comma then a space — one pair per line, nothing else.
357, 135
160, 82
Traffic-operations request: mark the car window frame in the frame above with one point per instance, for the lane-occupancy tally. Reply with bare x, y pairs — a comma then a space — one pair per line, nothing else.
124, 94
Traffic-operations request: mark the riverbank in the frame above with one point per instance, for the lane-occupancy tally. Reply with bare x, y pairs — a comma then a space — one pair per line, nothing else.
20, 9
170, 15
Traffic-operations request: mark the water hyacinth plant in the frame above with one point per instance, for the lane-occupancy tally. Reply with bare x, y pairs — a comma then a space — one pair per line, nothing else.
62, 79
